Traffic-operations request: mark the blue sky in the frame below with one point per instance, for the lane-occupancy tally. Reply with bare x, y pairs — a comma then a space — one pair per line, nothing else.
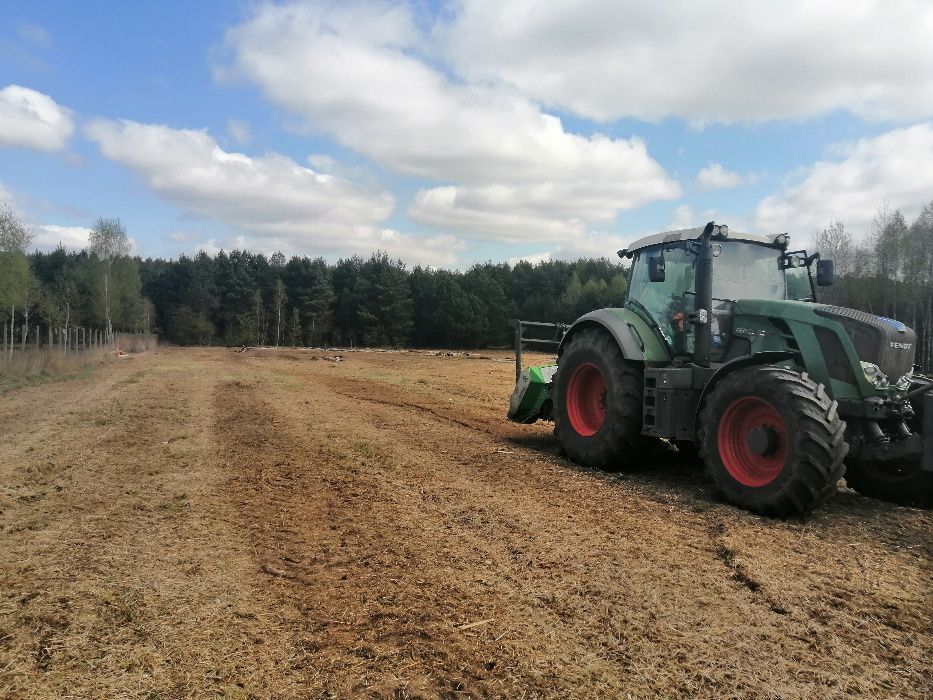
449, 133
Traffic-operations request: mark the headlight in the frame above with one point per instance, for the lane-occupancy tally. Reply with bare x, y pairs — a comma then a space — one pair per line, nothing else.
874, 374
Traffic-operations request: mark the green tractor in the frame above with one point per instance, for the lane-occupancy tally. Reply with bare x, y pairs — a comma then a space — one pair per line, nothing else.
722, 349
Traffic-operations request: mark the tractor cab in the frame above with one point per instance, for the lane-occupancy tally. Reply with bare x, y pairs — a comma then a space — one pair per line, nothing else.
662, 284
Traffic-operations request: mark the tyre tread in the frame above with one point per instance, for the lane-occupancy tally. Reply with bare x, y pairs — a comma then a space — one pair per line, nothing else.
820, 447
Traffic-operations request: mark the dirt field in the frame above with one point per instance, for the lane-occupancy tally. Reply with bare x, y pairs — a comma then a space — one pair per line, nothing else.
214, 523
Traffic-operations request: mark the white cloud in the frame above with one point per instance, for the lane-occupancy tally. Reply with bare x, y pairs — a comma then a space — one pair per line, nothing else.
593, 244
30, 119
35, 35
239, 131
443, 250
683, 218
210, 246
893, 167
276, 203
534, 258
702, 60
715, 177
49, 236
507, 170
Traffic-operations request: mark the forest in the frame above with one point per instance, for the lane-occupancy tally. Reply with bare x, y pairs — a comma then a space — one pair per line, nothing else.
241, 297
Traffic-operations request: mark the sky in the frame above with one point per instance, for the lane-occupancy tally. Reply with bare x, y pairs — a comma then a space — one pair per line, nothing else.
450, 133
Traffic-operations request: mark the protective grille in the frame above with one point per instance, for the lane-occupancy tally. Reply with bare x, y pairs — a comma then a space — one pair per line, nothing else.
886, 343
837, 361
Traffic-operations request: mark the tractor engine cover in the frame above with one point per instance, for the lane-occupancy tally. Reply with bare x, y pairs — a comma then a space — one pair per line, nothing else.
882, 341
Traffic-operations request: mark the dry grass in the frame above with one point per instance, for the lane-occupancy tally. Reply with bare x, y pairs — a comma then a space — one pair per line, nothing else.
212, 523
37, 366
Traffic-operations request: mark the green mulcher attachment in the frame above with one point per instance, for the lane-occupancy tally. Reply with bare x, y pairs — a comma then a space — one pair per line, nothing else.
531, 398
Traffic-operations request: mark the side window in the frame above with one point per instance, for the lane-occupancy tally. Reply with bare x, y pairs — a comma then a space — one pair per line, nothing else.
667, 302
798, 283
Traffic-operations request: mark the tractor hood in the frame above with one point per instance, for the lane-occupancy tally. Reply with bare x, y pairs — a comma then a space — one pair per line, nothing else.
887, 343
884, 342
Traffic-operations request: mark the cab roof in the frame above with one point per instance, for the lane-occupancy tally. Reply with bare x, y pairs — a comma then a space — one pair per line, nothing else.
687, 234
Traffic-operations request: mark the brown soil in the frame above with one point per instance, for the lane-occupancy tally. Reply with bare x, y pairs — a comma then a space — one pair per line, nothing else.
260, 524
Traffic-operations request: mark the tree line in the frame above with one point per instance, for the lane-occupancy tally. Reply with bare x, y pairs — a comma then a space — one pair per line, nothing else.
889, 274
246, 298
96, 288
240, 297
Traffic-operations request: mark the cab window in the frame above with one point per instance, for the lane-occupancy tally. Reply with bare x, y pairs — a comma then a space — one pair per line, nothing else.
666, 302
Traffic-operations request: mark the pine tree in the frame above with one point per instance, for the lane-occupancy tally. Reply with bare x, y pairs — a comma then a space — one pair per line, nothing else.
295, 334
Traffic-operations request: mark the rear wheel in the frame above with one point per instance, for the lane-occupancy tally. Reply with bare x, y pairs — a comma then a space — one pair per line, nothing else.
905, 483
772, 440
597, 401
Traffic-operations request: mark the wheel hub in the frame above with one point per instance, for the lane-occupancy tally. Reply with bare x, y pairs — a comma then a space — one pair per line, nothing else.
763, 440
752, 441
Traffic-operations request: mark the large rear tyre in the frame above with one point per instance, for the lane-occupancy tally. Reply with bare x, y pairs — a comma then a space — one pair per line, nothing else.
597, 401
772, 440
904, 483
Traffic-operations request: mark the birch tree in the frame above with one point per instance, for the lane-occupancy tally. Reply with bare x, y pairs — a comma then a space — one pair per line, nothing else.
109, 241
14, 267
278, 299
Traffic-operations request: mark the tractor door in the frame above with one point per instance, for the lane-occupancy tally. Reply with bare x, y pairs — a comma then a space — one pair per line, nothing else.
670, 301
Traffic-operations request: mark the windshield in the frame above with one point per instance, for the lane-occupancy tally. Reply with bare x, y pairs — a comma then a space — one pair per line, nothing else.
740, 271
747, 271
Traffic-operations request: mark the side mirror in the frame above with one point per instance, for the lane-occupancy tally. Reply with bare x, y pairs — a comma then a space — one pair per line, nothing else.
656, 268
825, 273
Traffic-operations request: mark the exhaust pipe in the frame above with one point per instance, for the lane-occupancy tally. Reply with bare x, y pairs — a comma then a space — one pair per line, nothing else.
704, 298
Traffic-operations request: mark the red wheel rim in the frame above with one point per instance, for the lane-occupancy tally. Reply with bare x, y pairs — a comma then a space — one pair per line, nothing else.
752, 441
586, 399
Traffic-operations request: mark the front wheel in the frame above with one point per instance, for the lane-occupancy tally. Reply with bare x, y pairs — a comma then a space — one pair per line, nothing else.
772, 440
597, 401
902, 482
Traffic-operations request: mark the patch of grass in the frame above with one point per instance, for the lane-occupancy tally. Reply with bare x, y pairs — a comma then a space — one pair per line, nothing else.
370, 450
175, 504
45, 366
125, 606
132, 379
30, 525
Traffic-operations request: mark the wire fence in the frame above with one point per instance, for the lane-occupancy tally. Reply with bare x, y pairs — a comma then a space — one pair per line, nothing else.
48, 350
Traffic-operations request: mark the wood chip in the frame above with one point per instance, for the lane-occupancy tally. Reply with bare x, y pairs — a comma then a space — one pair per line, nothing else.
474, 624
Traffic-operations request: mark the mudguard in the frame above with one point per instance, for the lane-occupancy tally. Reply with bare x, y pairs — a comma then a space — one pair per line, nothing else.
768, 357
636, 338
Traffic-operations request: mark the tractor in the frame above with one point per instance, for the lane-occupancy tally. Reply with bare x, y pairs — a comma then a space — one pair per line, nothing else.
722, 350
